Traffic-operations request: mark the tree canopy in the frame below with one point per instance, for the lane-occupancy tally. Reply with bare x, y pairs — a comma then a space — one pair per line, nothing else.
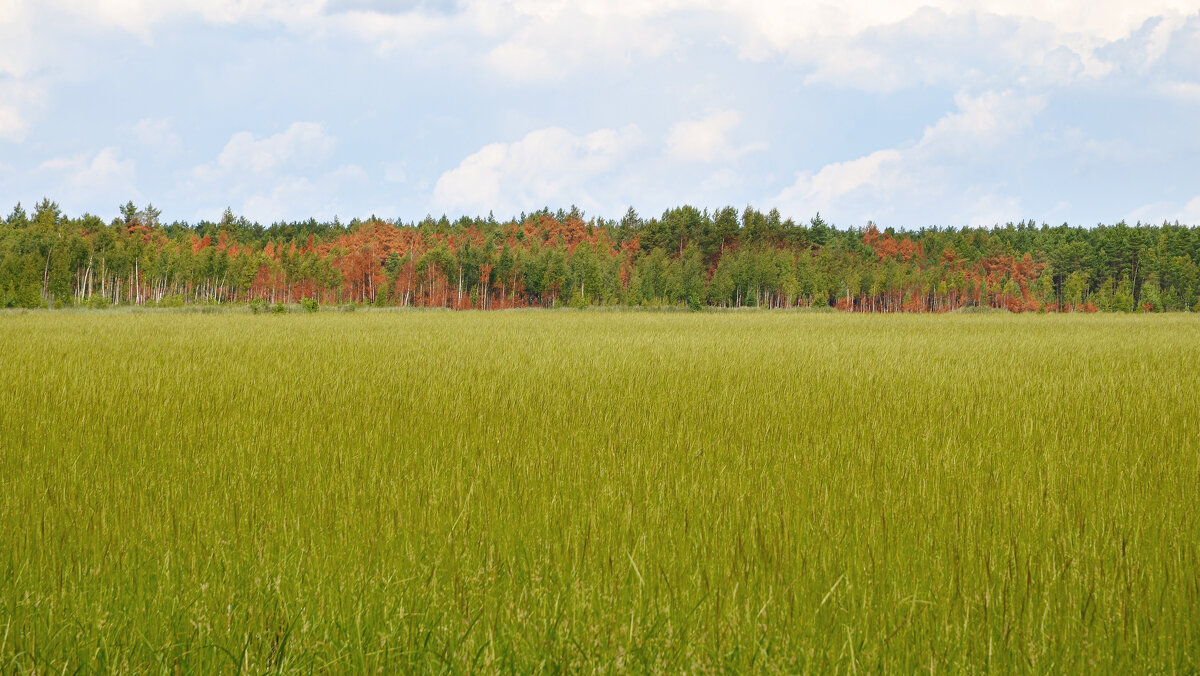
687, 256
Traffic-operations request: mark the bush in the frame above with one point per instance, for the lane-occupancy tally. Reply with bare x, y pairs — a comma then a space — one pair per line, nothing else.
279, 309
258, 305
30, 297
310, 304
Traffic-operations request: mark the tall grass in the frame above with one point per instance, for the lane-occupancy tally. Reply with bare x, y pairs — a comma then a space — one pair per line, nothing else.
537, 491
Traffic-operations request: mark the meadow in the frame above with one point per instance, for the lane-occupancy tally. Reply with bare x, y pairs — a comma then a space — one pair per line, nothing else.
533, 491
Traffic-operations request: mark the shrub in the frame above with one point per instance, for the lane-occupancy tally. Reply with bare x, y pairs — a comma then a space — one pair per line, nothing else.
310, 304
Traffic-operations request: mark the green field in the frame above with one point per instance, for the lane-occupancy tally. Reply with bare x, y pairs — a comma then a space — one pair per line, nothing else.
619, 491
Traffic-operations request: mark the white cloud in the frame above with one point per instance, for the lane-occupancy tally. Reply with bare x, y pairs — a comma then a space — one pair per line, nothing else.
547, 166
144, 18
1059, 66
1191, 212
1029, 48
284, 175
1183, 91
923, 172
303, 145
287, 196
780, 23
875, 45
140, 17
157, 136
877, 171
101, 174
784, 24
395, 172
387, 31
705, 140
1158, 212
981, 122
544, 41
17, 99
719, 181
16, 40
525, 62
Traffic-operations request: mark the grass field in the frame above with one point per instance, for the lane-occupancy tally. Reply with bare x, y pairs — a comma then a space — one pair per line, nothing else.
539, 491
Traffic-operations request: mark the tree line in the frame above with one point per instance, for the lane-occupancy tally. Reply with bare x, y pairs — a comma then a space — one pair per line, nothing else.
686, 257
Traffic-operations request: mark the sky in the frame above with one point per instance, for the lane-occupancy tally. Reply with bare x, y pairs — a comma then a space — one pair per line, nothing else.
900, 112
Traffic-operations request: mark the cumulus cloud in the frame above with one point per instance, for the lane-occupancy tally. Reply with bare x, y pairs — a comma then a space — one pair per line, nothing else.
140, 17
1159, 212
544, 41
103, 173
706, 139
386, 30
17, 99
16, 42
525, 62
287, 196
284, 175
268, 199
1183, 91
783, 24
157, 136
876, 45
301, 146
1030, 50
923, 171
1190, 213
547, 166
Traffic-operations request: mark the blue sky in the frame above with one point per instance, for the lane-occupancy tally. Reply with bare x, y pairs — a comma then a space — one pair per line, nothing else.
904, 113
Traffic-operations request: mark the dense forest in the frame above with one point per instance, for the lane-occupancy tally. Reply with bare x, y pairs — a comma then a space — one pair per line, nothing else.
685, 257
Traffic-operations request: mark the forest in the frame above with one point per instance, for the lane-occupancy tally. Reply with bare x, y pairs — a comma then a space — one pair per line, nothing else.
687, 257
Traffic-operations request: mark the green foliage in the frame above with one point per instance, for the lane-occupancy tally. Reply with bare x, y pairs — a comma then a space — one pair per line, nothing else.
258, 305
279, 308
1123, 300
685, 257
28, 295
310, 304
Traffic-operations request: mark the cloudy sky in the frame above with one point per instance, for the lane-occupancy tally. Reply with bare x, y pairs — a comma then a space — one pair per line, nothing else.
908, 113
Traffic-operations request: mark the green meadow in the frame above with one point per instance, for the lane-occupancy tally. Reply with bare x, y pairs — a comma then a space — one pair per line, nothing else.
547, 491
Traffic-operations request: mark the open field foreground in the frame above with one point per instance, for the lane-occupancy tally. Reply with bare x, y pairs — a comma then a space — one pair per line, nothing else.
536, 491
